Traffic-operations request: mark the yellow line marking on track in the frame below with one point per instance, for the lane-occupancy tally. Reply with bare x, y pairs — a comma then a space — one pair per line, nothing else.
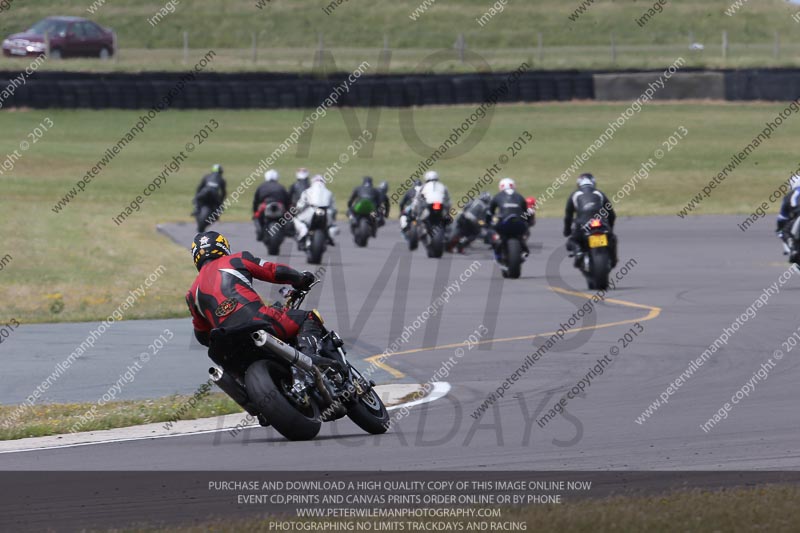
378, 359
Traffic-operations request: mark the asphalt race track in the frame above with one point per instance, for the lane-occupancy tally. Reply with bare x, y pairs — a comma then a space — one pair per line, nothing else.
691, 279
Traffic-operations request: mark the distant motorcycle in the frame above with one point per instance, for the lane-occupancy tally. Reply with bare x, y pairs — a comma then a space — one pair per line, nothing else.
409, 232
510, 231
595, 262
292, 391
363, 223
272, 224
206, 202
430, 228
791, 241
315, 242
466, 229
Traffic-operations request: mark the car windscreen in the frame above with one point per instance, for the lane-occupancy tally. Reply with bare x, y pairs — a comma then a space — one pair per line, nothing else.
53, 27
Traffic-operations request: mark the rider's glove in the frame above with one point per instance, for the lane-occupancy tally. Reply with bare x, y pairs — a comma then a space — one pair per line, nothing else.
567, 232
306, 280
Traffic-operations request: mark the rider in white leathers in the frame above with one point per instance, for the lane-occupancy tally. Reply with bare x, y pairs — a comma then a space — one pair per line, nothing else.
433, 191
316, 196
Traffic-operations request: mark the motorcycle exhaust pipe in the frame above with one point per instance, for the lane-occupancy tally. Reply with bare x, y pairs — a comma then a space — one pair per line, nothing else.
232, 388
291, 354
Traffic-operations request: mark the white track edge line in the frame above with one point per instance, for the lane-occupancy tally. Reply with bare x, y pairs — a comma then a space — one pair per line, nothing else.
440, 389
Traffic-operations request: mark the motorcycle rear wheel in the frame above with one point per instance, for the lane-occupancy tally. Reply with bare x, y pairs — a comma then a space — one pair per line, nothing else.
600, 269
316, 248
514, 258
283, 415
362, 233
202, 217
436, 245
273, 243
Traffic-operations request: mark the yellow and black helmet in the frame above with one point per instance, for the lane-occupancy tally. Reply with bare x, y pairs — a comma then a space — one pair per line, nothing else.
207, 246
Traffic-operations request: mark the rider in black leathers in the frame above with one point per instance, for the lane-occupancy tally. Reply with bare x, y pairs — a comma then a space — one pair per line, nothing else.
210, 193
365, 190
406, 205
586, 203
214, 184
790, 210
269, 191
384, 205
301, 184
505, 203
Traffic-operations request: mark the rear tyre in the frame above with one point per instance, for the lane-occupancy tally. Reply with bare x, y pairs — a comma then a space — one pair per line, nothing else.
601, 267
273, 243
362, 233
514, 258
317, 247
105, 53
288, 419
203, 214
413, 240
54, 54
436, 246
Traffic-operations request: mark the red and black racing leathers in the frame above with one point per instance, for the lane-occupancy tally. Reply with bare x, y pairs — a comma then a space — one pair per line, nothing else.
223, 295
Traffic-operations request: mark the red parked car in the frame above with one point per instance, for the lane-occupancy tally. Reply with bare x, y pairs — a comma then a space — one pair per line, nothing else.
69, 37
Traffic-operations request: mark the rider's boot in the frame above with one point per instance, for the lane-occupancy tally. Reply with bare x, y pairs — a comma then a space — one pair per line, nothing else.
309, 338
575, 252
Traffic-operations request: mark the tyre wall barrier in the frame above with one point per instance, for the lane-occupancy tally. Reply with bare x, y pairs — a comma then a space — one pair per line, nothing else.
269, 91
274, 90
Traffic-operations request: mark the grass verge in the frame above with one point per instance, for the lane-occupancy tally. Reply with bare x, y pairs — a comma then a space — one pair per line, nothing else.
59, 419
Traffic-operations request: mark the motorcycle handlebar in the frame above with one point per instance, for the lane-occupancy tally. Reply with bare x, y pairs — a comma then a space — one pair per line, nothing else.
294, 297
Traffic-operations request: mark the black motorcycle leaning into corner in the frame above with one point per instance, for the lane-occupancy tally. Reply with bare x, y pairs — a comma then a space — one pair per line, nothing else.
292, 391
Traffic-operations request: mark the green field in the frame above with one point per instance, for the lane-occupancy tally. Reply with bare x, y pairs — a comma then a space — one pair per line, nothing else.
288, 32
78, 264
